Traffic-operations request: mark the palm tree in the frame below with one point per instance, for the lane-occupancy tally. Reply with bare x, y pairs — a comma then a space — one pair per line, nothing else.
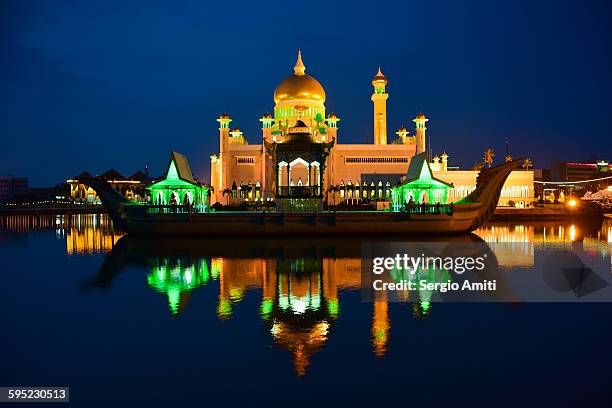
488, 156
508, 158
227, 191
477, 166
527, 164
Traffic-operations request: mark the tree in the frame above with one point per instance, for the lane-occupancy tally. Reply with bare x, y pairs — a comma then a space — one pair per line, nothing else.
488, 156
477, 166
227, 191
527, 164
508, 158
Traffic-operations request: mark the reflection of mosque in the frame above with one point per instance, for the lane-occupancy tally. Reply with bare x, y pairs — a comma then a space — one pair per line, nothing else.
300, 290
300, 284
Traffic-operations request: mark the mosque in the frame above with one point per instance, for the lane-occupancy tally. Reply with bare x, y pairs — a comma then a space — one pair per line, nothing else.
301, 157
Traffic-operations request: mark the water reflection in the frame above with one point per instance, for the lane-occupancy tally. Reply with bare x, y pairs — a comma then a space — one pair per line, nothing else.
300, 282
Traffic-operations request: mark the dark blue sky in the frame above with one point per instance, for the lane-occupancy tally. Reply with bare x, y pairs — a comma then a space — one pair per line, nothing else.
94, 85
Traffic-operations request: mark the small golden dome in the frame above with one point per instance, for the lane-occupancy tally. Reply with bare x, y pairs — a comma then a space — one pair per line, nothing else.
420, 116
299, 85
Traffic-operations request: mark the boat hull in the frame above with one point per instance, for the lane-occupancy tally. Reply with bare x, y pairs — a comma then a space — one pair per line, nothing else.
296, 224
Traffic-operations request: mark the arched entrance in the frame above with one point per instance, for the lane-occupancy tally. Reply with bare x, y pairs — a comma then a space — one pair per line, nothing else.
424, 197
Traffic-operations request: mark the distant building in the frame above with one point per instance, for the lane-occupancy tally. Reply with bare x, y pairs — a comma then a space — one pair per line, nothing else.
11, 186
580, 171
132, 187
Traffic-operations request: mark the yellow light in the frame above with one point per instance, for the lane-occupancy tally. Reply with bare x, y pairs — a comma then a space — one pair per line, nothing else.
572, 203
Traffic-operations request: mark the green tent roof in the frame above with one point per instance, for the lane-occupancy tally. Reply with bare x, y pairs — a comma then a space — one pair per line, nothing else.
419, 170
181, 167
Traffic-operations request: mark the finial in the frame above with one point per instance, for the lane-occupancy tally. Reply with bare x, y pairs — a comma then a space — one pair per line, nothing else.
379, 77
299, 68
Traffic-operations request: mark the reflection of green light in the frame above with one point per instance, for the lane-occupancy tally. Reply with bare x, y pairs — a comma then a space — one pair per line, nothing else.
266, 308
235, 294
425, 306
283, 302
333, 307
204, 269
224, 309
176, 278
174, 299
380, 334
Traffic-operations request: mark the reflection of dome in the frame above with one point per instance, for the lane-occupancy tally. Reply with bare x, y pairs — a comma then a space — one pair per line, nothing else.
299, 86
302, 342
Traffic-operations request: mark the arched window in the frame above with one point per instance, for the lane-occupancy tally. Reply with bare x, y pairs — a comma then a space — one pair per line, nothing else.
409, 197
188, 199
342, 189
388, 189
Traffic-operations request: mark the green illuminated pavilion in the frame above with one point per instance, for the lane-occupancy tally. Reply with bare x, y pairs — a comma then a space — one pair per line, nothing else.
178, 186
419, 185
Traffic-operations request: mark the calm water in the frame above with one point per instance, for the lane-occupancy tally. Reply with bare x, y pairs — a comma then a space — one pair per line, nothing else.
281, 322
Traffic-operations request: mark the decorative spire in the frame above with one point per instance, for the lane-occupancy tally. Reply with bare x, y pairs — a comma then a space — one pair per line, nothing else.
379, 78
299, 68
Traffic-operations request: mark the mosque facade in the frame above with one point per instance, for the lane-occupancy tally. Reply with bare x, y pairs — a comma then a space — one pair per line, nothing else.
301, 154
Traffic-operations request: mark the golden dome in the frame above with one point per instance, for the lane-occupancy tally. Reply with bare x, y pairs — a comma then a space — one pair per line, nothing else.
299, 85
421, 116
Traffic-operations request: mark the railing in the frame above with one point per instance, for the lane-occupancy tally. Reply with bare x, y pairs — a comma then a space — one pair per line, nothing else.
299, 191
175, 209
413, 208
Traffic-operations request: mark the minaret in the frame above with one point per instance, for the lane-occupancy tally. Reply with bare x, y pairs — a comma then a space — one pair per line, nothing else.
444, 165
332, 129
379, 98
421, 143
266, 122
224, 132
266, 127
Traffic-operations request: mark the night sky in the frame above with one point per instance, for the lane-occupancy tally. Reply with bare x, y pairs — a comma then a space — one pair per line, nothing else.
98, 85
